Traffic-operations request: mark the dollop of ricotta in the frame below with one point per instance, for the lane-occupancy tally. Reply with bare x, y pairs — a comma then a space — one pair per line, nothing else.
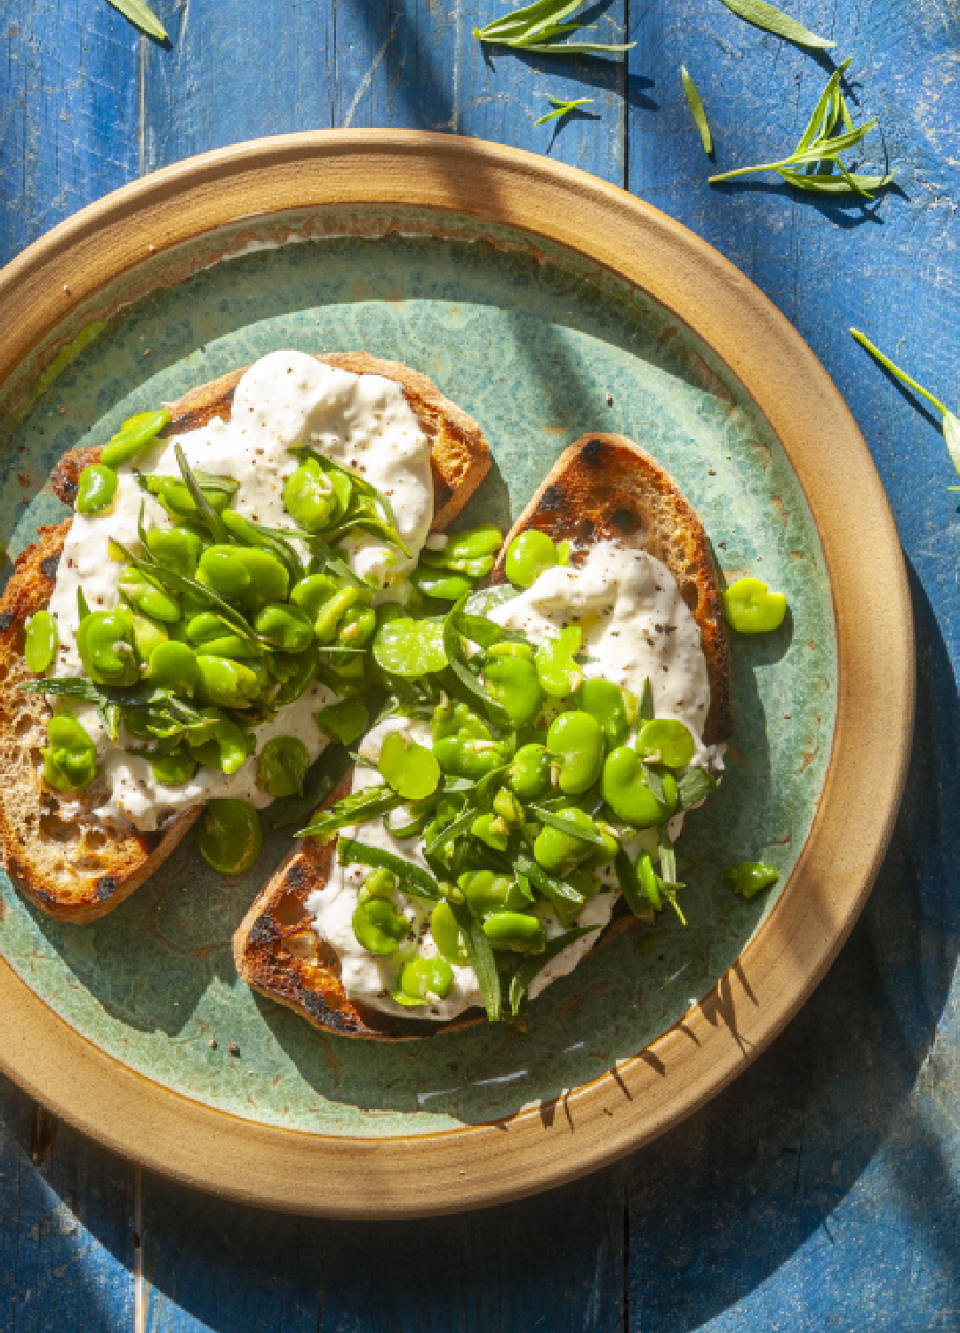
287, 398
636, 625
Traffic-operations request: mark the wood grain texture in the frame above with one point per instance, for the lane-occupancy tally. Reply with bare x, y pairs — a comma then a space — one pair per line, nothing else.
820, 1190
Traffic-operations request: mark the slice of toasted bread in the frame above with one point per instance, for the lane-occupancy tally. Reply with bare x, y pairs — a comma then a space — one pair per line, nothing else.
606, 488
601, 487
55, 851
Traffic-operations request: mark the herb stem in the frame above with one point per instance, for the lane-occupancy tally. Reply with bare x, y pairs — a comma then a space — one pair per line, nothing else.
897, 373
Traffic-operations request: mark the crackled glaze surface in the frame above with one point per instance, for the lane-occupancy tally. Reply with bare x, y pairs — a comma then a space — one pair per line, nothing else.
539, 349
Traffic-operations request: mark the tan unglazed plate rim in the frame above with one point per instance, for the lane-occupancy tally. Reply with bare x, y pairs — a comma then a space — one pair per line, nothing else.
486, 1164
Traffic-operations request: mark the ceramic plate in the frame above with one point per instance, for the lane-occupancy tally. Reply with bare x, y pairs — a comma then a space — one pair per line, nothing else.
547, 305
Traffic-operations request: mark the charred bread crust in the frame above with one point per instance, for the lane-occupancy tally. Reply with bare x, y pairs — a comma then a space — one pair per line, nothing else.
603, 486
278, 953
74, 868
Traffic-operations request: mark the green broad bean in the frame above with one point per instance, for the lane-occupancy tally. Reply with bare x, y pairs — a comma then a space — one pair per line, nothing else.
344, 721
410, 648
514, 684
228, 683
172, 665
508, 649
604, 700
506, 805
517, 932
410, 769
558, 672
356, 629
96, 488
175, 548
491, 829
476, 568
230, 836
358, 626
627, 792
147, 635
174, 495
559, 852
284, 627
380, 883
750, 877
70, 757
173, 770
309, 497
649, 880
105, 642
528, 555
326, 624
446, 935
441, 585
471, 544
311, 593
135, 435
295, 674
452, 719
147, 598
666, 741
378, 926
40, 641
207, 631
282, 766
529, 772
751, 608
226, 747
466, 756
485, 891
244, 576
426, 978
575, 741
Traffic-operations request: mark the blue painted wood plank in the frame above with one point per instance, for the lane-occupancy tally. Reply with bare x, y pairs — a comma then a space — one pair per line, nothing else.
891, 267
399, 63
821, 1190
553, 1263
69, 97
66, 1226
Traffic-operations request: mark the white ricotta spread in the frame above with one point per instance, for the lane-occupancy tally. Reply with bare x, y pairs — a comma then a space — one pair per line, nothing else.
635, 625
286, 398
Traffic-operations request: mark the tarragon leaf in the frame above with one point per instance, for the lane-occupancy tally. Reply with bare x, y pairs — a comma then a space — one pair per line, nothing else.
142, 17
482, 960
413, 879
357, 808
771, 19
697, 110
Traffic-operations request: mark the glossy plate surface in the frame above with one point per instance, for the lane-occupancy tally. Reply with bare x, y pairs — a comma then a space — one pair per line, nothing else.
547, 304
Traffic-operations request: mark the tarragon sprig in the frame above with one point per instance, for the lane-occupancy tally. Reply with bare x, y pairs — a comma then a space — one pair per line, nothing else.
810, 165
950, 422
534, 28
561, 108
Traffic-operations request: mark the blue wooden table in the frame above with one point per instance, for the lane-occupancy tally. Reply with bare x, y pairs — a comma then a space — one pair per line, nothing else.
820, 1191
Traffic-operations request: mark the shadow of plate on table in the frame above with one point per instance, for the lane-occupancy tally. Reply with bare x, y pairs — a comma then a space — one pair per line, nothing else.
855, 1083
